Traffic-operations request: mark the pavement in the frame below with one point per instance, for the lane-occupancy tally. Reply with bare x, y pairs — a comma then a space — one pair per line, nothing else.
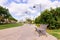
25, 32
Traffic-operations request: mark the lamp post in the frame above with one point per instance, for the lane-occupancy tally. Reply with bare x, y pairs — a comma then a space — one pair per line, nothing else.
56, 4
38, 5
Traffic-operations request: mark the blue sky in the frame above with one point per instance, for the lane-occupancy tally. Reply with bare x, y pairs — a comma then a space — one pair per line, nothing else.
21, 9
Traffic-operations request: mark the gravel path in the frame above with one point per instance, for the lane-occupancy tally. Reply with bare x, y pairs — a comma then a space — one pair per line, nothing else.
26, 32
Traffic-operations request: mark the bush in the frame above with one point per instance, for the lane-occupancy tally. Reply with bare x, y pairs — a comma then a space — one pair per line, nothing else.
38, 25
51, 17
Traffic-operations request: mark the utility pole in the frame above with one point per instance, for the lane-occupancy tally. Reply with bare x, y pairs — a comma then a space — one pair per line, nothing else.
40, 7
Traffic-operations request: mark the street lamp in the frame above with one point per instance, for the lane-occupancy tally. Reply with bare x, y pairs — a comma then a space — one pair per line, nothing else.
39, 6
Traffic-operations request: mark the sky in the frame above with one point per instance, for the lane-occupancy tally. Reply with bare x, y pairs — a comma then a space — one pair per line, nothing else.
22, 9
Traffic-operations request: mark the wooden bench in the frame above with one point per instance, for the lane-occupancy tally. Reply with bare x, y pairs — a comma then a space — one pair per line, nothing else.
42, 29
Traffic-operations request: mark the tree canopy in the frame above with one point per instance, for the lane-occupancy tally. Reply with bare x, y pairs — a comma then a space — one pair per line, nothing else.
28, 20
51, 17
4, 14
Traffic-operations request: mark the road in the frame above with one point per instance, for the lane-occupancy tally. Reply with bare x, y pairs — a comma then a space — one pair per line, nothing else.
25, 32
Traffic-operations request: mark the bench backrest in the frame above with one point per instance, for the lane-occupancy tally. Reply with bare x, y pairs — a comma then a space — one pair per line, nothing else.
43, 26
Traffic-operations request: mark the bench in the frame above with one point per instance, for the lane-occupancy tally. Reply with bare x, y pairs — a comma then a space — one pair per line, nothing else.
42, 29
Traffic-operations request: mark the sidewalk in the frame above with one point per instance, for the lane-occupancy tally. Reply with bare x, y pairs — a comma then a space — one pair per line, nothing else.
26, 32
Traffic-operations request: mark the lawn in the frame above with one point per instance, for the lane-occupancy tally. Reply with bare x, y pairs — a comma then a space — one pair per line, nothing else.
55, 33
10, 25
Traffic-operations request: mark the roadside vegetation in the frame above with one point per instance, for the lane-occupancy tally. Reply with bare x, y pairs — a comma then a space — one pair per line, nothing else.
4, 26
5, 16
6, 19
55, 33
52, 18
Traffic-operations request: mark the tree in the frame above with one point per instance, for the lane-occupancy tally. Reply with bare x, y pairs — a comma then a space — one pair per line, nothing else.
51, 17
4, 15
28, 20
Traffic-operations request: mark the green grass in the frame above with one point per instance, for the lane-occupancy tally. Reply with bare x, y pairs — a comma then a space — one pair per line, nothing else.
9, 25
38, 25
55, 33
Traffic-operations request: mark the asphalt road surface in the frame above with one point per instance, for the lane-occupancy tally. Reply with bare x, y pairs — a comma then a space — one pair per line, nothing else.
25, 32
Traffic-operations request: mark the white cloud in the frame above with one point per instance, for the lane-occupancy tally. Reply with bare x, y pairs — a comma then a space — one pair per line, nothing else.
2, 1
19, 9
17, 0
